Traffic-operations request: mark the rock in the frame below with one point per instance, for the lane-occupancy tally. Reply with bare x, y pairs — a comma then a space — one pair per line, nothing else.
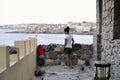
79, 53
52, 55
76, 47
50, 47
57, 62
86, 47
58, 48
74, 61
87, 63
80, 62
62, 63
49, 62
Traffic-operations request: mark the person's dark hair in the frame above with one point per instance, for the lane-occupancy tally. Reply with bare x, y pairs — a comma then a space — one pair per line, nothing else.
39, 46
67, 29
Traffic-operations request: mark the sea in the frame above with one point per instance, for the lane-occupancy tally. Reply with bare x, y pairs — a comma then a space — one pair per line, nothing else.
43, 38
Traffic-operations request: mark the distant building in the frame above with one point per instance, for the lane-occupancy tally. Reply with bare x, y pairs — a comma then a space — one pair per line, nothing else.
79, 28
87, 29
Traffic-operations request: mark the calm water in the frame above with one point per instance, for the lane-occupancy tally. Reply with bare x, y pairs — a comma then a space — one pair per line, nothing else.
9, 38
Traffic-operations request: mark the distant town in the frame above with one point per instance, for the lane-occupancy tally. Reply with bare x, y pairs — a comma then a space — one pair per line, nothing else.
75, 27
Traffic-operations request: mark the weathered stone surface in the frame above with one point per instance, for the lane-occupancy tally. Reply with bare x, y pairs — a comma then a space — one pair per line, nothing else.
109, 15
50, 47
81, 62
59, 48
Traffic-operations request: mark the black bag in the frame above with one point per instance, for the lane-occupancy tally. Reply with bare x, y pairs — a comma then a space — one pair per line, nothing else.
38, 73
13, 50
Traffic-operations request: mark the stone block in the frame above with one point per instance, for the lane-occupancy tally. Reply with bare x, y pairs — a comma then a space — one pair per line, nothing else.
49, 62
80, 62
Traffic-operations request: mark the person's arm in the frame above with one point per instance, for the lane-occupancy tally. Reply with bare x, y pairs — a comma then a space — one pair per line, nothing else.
72, 41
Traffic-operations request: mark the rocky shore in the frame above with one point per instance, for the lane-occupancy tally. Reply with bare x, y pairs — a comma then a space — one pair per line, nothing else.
54, 54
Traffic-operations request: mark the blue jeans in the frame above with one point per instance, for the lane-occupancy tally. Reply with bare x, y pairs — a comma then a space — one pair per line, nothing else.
42, 57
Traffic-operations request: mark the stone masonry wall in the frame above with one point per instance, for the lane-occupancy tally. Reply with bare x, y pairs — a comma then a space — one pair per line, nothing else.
110, 48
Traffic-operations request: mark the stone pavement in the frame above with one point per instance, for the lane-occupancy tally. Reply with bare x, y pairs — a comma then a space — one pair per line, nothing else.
61, 73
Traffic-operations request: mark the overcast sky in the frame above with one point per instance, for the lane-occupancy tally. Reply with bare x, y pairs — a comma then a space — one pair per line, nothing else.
46, 11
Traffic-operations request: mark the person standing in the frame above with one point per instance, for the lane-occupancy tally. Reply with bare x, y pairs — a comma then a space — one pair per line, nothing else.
68, 46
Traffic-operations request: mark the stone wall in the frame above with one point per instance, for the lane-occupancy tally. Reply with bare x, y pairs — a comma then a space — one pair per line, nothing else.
110, 51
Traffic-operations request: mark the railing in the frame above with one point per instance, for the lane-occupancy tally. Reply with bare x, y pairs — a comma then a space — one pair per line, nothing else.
24, 48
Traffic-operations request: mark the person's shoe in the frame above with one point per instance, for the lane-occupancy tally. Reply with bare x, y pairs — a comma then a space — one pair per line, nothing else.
71, 67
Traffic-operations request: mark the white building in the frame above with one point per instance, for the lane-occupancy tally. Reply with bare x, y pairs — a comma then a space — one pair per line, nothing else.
79, 28
87, 29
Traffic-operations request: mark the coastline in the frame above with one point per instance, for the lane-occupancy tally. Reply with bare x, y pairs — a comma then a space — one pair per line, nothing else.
77, 33
8, 36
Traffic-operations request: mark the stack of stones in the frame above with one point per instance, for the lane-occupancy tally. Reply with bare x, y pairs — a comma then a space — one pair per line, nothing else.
55, 55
